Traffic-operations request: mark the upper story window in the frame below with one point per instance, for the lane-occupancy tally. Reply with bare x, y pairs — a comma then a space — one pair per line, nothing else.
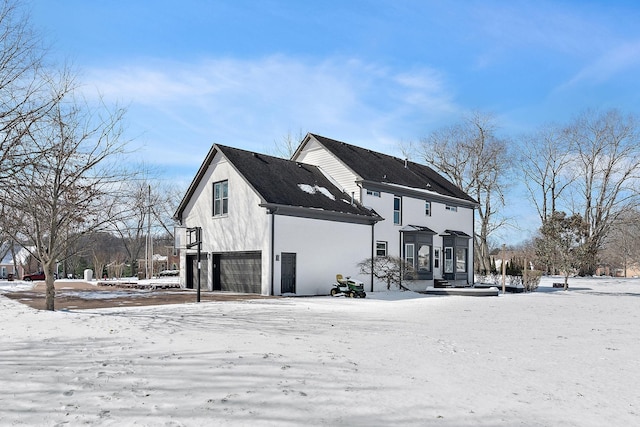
220, 198
381, 248
427, 208
451, 208
373, 193
397, 210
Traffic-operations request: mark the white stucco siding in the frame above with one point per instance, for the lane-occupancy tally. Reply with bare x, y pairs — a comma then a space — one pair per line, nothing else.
314, 154
323, 249
244, 228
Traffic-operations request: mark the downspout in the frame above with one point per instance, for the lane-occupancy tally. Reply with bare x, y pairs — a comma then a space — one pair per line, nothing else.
400, 248
373, 242
473, 249
272, 255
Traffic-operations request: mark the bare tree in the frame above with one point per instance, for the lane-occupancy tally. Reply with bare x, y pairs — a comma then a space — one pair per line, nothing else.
408, 149
24, 90
104, 248
389, 269
622, 244
146, 210
545, 162
61, 196
607, 157
476, 160
288, 145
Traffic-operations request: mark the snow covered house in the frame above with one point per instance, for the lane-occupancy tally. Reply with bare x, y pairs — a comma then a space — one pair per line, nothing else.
428, 221
270, 226
275, 226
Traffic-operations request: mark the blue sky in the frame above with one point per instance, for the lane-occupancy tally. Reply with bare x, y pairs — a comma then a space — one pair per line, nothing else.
371, 73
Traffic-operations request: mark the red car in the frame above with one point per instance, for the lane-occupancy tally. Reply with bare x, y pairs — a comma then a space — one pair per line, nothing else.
33, 276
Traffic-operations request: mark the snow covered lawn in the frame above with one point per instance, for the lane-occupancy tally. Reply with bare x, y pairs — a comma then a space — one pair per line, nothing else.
549, 358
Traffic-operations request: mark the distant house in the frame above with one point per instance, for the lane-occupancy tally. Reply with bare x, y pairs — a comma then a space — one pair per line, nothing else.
275, 226
15, 261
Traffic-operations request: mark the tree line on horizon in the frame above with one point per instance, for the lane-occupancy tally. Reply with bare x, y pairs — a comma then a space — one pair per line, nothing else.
582, 178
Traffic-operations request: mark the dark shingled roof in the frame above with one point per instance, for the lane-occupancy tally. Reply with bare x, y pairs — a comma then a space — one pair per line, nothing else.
382, 168
283, 182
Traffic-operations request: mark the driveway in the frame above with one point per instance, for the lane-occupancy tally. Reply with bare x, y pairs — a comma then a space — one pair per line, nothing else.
78, 295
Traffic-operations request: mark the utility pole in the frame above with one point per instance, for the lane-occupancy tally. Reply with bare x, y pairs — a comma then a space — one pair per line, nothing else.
149, 260
504, 270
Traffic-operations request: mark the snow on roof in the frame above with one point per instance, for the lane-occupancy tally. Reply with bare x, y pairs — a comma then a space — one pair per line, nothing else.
313, 189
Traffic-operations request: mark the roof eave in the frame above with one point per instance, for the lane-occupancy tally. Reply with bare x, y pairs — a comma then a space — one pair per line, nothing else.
307, 212
417, 192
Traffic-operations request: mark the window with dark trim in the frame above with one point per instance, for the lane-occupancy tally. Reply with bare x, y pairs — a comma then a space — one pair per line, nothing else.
220, 198
409, 254
397, 210
427, 208
424, 258
461, 259
381, 248
448, 260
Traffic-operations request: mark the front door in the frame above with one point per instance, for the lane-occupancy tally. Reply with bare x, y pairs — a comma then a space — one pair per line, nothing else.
216, 285
437, 259
288, 273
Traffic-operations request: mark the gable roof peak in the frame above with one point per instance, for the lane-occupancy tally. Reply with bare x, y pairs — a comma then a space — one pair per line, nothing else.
382, 168
281, 182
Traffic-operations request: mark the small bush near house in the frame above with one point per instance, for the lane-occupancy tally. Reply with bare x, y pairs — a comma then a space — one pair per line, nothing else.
169, 273
530, 284
388, 269
532, 281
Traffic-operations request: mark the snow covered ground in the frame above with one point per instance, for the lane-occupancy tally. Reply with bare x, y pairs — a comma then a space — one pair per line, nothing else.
550, 358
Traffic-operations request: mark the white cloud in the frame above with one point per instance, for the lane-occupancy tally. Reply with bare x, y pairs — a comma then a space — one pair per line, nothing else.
251, 103
612, 62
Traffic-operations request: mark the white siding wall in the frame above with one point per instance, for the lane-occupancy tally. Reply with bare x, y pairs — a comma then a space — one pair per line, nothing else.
315, 154
413, 213
245, 228
323, 249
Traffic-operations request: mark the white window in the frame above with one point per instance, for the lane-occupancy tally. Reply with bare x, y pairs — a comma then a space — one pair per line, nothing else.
397, 210
461, 259
409, 254
220, 198
381, 248
451, 208
448, 260
373, 193
427, 208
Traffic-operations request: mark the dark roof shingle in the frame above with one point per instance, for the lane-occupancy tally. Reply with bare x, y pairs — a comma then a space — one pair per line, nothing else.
289, 183
382, 168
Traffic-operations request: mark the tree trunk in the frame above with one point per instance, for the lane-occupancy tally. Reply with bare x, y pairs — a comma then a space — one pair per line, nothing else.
50, 285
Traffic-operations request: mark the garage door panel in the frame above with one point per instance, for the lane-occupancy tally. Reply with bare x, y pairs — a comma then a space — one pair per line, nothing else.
241, 272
